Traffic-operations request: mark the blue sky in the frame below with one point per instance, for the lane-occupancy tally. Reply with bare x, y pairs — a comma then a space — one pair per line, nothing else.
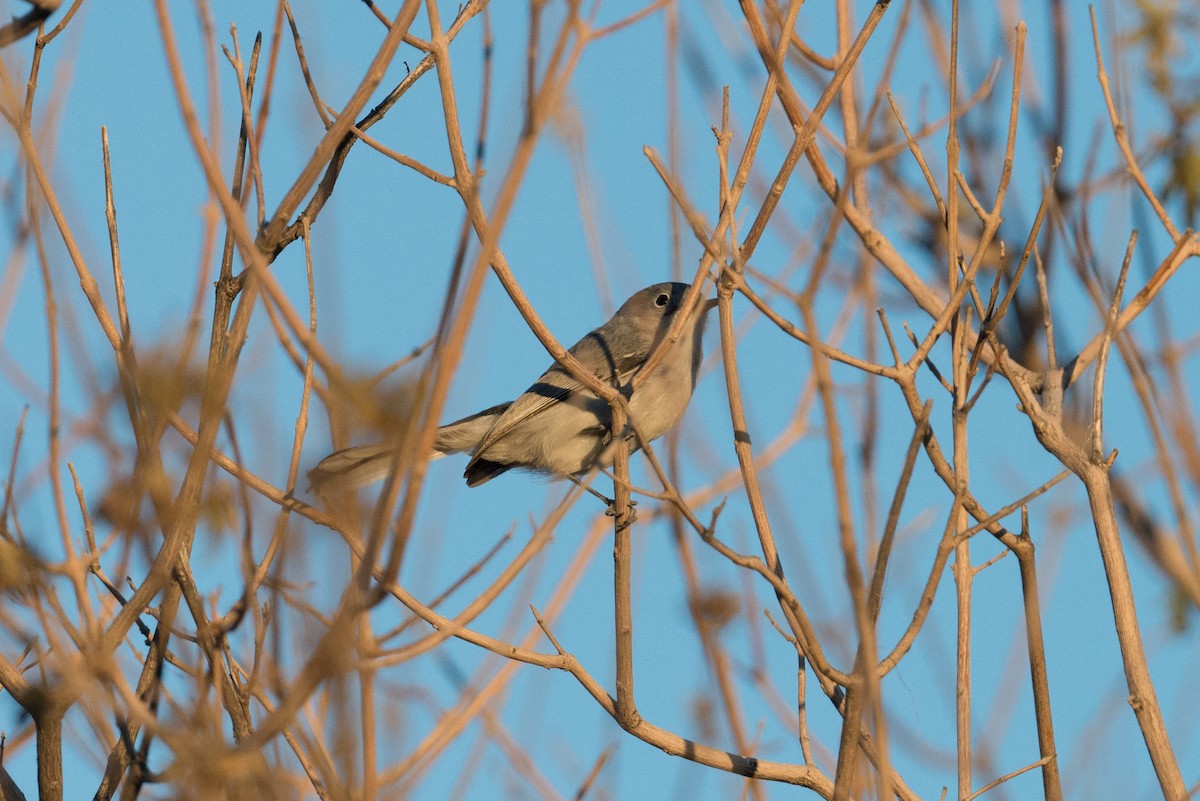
383, 249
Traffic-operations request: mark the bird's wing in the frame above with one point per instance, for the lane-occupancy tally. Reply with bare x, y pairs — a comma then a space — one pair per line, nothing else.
556, 384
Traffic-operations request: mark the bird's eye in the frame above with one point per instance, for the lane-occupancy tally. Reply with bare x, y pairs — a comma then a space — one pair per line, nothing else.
662, 299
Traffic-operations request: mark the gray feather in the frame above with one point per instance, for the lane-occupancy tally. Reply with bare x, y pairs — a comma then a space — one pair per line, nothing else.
557, 426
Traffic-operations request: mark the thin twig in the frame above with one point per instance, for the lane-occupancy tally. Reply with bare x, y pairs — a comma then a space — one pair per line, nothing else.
1110, 325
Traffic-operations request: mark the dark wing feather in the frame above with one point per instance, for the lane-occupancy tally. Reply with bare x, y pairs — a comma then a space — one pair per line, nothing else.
481, 471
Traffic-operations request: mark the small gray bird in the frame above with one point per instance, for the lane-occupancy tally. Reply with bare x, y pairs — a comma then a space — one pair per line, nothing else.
557, 426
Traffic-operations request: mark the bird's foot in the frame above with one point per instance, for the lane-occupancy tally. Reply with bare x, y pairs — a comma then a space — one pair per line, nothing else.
611, 511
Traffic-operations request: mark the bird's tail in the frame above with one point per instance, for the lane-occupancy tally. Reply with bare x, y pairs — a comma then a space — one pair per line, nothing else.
463, 436
351, 468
